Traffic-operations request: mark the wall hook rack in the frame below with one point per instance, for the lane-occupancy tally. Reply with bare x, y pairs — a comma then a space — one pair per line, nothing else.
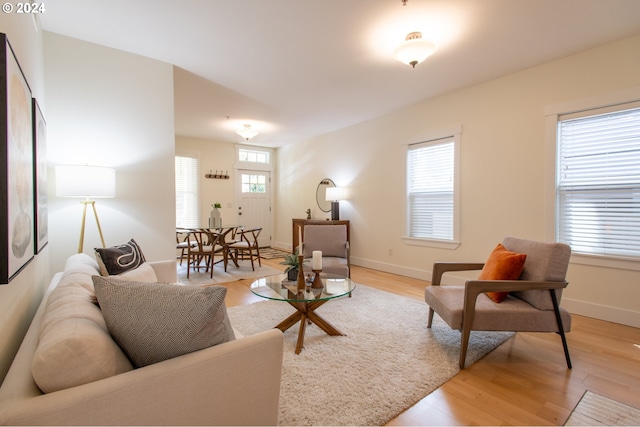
217, 175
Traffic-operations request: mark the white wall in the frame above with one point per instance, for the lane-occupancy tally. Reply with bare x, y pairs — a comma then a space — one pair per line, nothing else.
111, 108
20, 298
213, 155
503, 173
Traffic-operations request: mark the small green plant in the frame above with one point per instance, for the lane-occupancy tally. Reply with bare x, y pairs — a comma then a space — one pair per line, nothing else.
291, 261
216, 205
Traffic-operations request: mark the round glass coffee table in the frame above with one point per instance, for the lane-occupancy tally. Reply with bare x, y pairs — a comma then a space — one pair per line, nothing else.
279, 288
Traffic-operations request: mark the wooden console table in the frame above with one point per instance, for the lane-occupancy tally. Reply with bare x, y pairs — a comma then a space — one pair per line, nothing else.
298, 224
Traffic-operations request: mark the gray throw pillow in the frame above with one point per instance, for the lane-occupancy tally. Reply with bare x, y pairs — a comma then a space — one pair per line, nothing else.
119, 259
152, 322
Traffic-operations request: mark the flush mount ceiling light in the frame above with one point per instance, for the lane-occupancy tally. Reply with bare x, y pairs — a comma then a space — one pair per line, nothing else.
414, 50
246, 132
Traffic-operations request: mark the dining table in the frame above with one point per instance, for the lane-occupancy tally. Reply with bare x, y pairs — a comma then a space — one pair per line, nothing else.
224, 236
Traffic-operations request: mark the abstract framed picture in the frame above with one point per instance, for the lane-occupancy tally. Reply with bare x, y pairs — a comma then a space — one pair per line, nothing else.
16, 166
41, 211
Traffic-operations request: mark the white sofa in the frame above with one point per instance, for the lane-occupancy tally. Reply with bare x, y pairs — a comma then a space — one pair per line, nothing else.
233, 383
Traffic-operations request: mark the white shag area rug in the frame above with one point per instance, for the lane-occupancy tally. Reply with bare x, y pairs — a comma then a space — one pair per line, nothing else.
596, 410
387, 361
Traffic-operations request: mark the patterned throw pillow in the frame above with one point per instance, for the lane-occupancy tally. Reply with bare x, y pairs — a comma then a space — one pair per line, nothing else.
152, 322
119, 259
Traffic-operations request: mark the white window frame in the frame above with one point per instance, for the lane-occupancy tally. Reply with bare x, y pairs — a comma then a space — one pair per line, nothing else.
254, 165
552, 116
242, 174
452, 135
196, 192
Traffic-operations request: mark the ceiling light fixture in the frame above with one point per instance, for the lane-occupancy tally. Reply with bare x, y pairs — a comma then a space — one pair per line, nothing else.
414, 50
246, 132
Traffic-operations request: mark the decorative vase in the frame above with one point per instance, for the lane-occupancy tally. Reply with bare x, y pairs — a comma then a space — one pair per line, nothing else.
215, 219
302, 284
292, 274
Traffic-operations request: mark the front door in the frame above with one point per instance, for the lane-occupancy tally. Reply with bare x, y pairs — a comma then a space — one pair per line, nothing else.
254, 202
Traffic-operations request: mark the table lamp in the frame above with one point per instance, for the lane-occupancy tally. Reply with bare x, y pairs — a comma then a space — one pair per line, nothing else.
87, 182
334, 195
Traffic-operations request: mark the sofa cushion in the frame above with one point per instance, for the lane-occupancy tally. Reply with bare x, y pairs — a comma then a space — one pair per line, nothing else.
502, 265
155, 321
119, 259
75, 346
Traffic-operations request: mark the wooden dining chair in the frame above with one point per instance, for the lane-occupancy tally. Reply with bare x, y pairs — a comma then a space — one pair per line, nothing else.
182, 243
202, 244
246, 247
222, 237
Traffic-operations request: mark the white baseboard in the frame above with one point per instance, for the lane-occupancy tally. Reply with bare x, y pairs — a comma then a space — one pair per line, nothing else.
582, 308
596, 311
392, 268
602, 312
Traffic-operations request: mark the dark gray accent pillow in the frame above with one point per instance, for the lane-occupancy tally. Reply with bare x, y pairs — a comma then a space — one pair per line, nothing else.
119, 259
152, 322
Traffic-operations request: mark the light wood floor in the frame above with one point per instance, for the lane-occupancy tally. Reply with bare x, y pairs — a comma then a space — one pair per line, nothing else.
525, 381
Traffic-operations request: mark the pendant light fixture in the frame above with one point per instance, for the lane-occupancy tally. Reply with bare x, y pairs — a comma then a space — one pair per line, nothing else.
414, 50
246, 132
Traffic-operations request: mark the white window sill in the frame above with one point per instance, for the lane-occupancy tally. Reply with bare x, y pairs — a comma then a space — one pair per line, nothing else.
432, 243
603, 261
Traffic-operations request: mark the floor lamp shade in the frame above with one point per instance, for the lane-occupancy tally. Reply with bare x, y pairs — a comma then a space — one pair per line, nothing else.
334, 195
87, 182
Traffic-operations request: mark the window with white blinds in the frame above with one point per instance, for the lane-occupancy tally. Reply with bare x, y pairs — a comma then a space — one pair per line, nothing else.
187, 209
430, 189
598, 181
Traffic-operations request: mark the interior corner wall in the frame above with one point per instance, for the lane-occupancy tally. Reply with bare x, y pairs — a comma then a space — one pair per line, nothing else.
111, 108
20, 298
503, 173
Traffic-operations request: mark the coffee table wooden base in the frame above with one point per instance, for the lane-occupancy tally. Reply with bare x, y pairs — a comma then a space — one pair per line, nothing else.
305, 312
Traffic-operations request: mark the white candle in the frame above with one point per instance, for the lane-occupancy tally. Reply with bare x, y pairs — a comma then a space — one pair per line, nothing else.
317, 260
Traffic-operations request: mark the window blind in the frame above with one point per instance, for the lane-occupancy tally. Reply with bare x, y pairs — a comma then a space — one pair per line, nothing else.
187, 209
598, 183
430, 182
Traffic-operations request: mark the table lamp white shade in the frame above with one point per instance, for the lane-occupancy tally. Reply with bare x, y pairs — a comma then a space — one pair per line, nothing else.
85, 181
335, 194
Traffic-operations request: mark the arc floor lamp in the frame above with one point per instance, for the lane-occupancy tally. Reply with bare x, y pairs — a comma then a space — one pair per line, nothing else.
87, 182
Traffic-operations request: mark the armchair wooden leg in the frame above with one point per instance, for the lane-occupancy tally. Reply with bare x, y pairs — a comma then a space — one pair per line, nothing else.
556, 310
464, 343
430, 318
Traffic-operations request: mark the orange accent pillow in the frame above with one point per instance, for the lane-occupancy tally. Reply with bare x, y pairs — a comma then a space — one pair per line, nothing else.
502, 265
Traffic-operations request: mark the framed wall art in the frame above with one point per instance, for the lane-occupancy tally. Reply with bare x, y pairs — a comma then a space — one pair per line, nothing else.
16, 166
41, 211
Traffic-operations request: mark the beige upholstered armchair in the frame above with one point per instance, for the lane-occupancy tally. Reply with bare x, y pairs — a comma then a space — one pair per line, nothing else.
531, 305
332, 241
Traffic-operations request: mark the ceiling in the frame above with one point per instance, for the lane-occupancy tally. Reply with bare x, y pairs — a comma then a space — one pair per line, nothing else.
295, 69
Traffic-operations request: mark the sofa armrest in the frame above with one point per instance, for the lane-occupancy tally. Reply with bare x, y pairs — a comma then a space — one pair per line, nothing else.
165, 271
235, 383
